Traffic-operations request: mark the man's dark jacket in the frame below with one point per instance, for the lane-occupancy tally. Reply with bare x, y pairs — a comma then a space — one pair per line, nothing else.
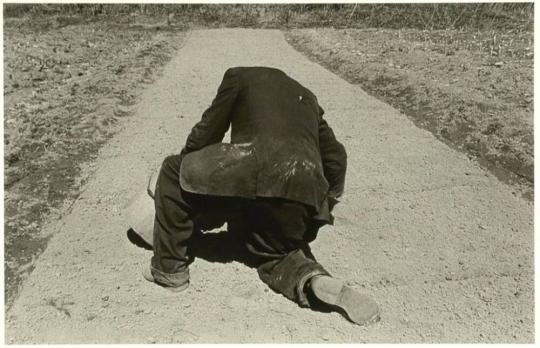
280, 144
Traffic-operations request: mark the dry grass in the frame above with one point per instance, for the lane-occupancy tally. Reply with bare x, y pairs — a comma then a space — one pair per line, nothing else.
486, 16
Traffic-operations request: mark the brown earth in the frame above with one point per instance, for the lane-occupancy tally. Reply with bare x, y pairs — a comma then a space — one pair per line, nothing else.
65, 90
443, 246
473, 90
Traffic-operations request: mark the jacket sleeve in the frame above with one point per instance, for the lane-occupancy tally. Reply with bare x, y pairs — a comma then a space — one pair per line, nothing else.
216, 119
334, 159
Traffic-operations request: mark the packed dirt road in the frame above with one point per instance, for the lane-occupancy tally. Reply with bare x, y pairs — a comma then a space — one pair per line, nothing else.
445, 248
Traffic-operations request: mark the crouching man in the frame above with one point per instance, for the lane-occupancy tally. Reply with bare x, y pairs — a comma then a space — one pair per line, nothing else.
282, 172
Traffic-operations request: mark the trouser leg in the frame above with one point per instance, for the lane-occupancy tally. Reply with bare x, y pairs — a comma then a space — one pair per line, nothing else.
173, 226
178, 215
279, 238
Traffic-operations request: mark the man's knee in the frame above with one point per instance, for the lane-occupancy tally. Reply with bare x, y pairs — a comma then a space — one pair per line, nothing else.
171, 164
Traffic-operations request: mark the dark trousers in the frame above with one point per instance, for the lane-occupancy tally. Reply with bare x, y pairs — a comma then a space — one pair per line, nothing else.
276, 232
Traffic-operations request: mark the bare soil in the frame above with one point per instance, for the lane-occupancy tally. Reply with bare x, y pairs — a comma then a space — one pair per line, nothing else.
444, 247
473, 90
65, 89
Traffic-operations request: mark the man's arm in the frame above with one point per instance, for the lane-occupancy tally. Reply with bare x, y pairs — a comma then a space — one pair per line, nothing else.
216, 119
334, 159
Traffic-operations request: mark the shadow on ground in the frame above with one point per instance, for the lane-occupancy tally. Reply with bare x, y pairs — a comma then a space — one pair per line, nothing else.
223, 247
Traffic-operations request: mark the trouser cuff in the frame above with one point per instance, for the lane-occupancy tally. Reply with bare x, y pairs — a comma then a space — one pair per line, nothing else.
171, 279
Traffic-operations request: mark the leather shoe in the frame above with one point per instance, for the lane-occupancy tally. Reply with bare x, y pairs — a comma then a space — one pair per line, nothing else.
357, 307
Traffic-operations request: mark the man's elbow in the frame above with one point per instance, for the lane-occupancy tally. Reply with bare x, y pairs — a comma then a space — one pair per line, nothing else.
341, 156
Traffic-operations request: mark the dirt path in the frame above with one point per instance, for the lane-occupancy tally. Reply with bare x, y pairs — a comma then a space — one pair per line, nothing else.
445, 248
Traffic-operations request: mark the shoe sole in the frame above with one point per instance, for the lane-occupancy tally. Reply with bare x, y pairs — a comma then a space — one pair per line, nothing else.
357, 307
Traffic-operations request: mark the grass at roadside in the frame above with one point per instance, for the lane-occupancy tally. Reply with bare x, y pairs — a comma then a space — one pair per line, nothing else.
66, 87
473, 90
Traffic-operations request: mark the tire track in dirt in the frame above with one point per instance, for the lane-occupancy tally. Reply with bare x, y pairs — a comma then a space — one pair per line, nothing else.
446, 249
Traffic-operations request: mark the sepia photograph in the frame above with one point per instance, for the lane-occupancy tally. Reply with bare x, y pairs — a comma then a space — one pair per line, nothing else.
155, 156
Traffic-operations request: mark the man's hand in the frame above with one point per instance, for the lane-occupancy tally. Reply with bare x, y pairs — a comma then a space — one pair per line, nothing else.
332, 201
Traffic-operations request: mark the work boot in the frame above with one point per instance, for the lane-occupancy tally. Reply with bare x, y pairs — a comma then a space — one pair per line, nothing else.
359, 308
147, 274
